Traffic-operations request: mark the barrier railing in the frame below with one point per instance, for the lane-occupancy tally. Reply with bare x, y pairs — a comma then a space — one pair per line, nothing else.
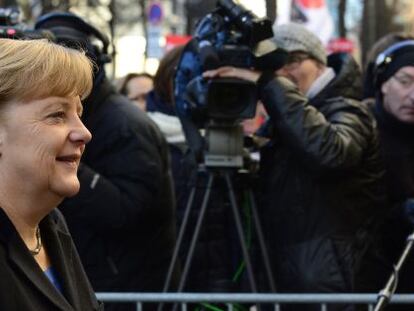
249, 298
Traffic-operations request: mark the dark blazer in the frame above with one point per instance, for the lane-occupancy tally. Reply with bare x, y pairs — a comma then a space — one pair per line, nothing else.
24, 286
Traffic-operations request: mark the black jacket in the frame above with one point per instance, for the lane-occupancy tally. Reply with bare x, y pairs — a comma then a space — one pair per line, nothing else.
122, 220
397, 148
322, 180
24, 286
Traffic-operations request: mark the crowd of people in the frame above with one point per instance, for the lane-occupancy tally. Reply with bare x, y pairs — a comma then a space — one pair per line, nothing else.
95, 179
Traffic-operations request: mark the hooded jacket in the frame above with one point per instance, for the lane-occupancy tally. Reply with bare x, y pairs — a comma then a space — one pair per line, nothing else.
123, 219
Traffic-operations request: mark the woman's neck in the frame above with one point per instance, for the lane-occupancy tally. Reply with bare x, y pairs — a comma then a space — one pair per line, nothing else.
27, 226
26, 210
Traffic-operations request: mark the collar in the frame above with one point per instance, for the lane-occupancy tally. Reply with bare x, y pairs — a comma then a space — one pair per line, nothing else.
321, 82
59, 247
170, 126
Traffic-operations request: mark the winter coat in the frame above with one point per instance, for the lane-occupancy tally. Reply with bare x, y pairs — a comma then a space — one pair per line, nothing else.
123, 219
322, 181
24, 286
397, 149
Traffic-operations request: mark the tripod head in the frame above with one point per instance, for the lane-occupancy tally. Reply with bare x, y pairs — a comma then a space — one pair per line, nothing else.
224, 145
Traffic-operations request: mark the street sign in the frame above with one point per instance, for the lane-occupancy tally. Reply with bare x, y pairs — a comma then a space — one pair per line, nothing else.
155, 17
154, 49
155, 13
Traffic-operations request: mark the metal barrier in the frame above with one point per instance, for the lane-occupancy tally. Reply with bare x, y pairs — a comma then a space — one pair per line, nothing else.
228, 299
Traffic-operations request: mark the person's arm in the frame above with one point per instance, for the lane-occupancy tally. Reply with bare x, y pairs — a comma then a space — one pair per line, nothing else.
335, 141
332, 141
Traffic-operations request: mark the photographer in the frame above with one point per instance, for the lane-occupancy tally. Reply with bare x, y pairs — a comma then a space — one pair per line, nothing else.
123, 219
321, 173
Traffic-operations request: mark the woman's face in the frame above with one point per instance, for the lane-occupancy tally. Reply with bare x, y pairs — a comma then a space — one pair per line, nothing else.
41, 143
138, 88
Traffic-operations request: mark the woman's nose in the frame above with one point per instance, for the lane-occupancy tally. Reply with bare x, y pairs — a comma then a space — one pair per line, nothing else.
80, 133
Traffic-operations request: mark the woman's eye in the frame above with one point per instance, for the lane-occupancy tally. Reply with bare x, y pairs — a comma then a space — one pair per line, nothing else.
57, 115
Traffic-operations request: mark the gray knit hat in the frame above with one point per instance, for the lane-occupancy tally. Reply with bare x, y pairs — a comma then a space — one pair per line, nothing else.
294, 37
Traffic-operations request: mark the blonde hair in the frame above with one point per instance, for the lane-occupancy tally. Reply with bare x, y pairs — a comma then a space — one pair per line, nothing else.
36, 69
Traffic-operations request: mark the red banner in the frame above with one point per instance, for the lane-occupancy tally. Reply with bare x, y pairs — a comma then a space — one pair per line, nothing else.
173, 40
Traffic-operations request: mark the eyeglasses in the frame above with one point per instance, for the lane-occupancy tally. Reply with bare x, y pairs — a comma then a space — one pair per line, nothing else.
295, 59
405, 81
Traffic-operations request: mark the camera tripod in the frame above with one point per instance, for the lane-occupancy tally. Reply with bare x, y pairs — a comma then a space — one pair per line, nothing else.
212, 175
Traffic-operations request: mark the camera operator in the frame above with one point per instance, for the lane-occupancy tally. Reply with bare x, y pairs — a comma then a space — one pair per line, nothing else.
322, 178
123, 219
392, 87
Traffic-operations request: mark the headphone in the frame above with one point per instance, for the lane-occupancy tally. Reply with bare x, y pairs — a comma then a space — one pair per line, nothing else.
386, 57
74, 32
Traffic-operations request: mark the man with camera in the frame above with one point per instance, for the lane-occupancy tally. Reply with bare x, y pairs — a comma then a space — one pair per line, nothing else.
322, 178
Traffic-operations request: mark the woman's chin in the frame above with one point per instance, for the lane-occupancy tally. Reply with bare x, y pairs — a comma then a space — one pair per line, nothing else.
68, 189
73, 191
72, 194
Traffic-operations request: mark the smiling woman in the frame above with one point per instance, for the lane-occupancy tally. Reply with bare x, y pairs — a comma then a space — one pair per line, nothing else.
41, 141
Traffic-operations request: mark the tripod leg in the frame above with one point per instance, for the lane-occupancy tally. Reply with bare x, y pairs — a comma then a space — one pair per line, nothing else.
262, 244
241, 233
196, 233
179, 239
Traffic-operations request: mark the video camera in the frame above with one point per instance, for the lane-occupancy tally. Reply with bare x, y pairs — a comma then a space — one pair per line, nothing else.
229, 36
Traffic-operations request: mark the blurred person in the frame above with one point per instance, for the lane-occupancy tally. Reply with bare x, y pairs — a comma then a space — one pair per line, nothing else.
123, 219
136, 86
321, 173
42, 139
160, 100
392, 87
378, 47
208, 271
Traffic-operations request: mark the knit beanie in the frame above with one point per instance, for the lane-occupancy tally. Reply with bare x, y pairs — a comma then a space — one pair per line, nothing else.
296, 38
392, 59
